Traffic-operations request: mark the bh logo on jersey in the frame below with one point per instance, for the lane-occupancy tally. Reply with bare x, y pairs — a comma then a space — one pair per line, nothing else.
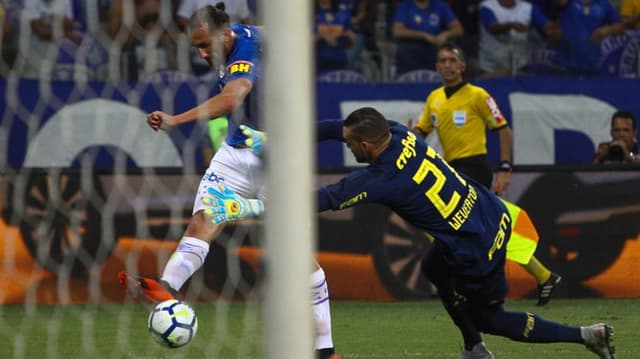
210, 176
240, 66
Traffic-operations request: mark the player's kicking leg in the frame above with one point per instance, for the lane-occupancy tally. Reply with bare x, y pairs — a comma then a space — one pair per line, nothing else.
146, 289
185, 260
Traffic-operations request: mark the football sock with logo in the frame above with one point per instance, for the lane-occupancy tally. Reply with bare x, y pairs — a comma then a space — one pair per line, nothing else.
187, 258
528, 327
321, 310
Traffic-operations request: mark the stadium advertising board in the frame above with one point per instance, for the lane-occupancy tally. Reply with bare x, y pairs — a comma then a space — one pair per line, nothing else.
587, 223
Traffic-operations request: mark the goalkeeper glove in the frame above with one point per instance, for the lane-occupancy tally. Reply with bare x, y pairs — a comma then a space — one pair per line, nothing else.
255, 139
225, 205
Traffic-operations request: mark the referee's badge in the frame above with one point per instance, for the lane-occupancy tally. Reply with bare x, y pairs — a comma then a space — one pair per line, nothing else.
434, 119
459, 118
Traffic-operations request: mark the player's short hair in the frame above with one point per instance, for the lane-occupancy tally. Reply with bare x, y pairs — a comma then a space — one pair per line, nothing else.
367, 124
214, 16
624, 114
450, 46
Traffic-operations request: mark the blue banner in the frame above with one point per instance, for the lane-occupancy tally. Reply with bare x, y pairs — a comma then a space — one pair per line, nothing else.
555, 120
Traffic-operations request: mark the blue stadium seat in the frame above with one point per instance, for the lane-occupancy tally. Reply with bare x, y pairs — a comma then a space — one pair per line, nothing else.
420, 76
342, 76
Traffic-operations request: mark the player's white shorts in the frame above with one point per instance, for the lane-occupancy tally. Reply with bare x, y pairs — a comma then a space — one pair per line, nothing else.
239, 168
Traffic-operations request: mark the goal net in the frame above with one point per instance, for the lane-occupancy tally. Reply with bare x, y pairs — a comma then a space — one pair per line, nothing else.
88, 189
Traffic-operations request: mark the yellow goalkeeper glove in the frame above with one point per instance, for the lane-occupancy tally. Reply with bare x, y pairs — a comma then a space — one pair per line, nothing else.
255, 139
225, 205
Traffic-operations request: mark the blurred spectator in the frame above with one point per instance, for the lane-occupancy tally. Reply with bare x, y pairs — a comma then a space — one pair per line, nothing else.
584, 24
6, 28
623, 147
144, 34
549, 8
504, 35
5, 25
419, 28
334, 36
238, 10
364, 14
467, 13
630, 12
45, 27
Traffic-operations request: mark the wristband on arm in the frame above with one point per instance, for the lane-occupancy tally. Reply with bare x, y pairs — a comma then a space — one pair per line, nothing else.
505, 166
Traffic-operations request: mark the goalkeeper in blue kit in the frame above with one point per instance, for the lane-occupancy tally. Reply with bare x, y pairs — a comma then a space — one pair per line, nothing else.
471, 227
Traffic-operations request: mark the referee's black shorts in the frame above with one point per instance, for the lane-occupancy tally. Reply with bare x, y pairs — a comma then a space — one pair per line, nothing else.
476, 167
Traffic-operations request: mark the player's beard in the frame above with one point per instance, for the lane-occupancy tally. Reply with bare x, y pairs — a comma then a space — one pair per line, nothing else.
361, 156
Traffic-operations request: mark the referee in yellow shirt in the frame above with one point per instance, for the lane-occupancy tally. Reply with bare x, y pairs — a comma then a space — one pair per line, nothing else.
460, 112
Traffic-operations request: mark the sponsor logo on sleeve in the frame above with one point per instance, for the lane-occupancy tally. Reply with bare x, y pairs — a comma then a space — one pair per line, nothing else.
240, 66
495, 111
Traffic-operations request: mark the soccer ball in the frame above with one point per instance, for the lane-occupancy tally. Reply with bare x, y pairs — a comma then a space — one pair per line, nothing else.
173, 323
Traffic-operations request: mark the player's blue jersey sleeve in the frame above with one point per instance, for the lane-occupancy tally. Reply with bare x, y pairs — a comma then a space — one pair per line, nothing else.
244, 61
357, 188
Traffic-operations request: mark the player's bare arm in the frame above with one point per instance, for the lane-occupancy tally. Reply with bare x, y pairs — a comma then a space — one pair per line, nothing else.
503, 177
231, 97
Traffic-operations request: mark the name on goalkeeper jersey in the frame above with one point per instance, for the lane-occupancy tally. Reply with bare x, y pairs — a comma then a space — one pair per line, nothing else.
457, 219
350, 202
408, 150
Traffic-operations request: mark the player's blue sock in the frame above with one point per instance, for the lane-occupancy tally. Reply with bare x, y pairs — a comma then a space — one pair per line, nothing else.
526, 327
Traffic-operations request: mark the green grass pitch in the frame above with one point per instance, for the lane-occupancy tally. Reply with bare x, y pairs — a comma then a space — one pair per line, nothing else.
232, 330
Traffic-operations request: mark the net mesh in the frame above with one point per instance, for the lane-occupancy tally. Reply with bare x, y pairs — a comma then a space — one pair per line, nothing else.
88, 189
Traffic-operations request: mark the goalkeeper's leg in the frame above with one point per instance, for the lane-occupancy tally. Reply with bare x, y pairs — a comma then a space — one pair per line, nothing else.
436, 269
530, 328
322, 315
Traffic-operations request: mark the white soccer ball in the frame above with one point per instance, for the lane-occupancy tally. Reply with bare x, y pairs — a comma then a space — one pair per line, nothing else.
173, 323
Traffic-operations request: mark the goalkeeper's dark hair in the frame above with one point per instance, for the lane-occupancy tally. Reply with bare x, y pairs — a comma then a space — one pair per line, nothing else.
367, 124
450, 46
214, 16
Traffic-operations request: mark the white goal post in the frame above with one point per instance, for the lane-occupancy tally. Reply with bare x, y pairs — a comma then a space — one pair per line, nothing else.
290, 229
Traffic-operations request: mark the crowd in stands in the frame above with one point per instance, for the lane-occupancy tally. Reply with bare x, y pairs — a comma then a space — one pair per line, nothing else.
379, 40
